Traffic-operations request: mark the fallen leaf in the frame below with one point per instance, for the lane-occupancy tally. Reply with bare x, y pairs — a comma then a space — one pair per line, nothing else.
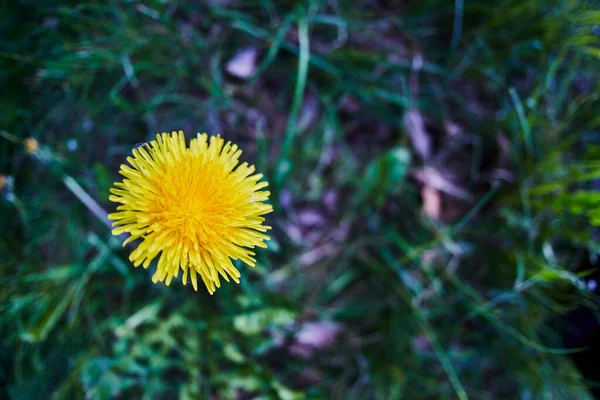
432, 202
319, 253
243, 63
310, 217
432, 177
421, 141
318, 334
314, 336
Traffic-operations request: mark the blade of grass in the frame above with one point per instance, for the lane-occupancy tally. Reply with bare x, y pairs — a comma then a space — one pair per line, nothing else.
525, 128
87, 200
276, 43
284, 164
458, 22
476, 303
429, 332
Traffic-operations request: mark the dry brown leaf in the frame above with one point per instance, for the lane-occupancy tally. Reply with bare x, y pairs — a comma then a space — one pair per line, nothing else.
421, 141
310, 217
432, 177
242, 64
432, 202
314, 336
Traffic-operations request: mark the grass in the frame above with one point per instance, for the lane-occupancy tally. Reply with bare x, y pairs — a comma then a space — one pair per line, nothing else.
446, 246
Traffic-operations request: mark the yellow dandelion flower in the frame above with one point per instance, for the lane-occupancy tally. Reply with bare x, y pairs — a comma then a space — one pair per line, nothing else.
31, 145
2, 182
196, 206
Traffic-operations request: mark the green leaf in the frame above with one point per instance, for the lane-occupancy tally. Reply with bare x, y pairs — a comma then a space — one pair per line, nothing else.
255, 322
147, 313
556, 275
592, 51
231, 352
61, 273
385, 174
248, 383
101, 381
286, 394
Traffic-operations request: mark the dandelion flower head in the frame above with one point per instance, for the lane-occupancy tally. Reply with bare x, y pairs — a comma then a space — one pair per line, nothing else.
196, 208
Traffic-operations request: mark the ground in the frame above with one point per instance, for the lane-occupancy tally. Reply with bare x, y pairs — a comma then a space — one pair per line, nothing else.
432, 168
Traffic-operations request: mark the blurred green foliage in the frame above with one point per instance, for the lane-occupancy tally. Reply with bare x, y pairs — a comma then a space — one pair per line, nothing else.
459, 304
